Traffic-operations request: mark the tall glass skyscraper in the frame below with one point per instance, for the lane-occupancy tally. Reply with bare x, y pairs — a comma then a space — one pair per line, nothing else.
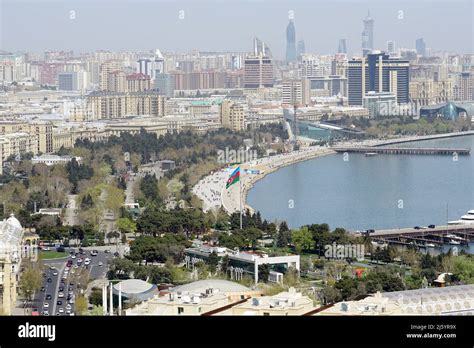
300, 49
421, 47
290, 42
342, 48
368, 35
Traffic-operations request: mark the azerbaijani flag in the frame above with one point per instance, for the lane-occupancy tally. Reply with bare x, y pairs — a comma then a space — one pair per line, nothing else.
233, 178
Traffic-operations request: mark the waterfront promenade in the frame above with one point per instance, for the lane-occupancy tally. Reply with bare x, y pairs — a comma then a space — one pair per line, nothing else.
211, 189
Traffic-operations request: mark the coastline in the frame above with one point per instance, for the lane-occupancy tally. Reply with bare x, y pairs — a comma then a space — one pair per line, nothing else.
211, 190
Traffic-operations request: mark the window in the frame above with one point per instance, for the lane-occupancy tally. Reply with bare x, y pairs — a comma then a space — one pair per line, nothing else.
265, 314
180, 310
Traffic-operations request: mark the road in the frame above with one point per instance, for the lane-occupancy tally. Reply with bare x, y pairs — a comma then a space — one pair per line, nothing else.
68, 281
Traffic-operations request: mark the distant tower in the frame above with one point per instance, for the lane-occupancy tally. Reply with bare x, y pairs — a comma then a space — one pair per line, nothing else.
368, 35
390, 47
290, 42
421, 47
342, 48
300, 49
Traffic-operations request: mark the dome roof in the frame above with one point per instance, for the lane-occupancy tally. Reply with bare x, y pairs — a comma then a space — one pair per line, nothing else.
133, 286
13, 221
222, 285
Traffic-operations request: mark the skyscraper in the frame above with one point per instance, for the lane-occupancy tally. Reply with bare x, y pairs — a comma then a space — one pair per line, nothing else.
368, 35
258, 72
378, 73
390, 47
261, 48
300, 49
421, 47
290, 42
342, 48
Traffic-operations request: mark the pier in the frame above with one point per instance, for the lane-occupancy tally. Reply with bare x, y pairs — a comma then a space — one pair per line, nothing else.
405, 150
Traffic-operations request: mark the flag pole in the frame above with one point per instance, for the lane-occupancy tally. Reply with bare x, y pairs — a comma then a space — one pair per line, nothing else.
240, 198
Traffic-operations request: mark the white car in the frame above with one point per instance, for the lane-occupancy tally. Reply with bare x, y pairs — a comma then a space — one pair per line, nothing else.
73, 256
61, 295
71, 301
46, 305
101, 263
68, 307
68, 311
61, 310
87, 262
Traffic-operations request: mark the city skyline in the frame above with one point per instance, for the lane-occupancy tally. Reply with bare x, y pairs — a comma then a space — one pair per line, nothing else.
190, 28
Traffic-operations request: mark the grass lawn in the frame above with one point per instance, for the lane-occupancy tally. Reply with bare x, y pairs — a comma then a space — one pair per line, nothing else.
47, 255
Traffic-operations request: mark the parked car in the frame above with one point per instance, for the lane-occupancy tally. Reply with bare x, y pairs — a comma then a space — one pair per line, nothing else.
431, 226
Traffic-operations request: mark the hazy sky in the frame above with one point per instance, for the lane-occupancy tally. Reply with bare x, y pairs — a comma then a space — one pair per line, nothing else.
230, 25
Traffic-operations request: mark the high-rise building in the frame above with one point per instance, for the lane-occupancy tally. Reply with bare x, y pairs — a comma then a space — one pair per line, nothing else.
390, 47
342, 47
138, 82
261, 48
258, 72
300, 49
117, 81
464, 87
378, 73
296, 91
421, 47
232, 115
164, 83
368, 35
67, 81
105, 69
290, 42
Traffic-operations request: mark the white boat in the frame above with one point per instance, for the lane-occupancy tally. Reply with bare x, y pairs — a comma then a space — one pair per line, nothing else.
454, 242
430, 245
465, 219
369, 154
453, 236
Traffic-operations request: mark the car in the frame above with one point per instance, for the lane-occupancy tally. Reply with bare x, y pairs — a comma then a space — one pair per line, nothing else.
43, 289
61, 294
64, 276
46, 249
101, 263
48, 297
116, 254
59, 303
45, 275
49, 280
431, 226
46, 305
73, 256
106, 251
86, 263
52, 268
55, 273
45, 313
370, 231
70, 293
71, 301
71, 284
57, 313
61, 310
417, 228
68, 307
76, 266
73, 271
61, 288
68, 311
70, 288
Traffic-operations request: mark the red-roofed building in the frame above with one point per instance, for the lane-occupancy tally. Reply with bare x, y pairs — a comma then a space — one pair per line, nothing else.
138, 82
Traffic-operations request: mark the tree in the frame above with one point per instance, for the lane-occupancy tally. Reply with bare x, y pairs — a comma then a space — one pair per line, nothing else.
80, 305
213, 261
30, 280
125, 225
284, 235
264, 272
302, 239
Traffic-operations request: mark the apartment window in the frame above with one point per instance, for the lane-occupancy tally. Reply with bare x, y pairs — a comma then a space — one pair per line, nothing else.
180, 310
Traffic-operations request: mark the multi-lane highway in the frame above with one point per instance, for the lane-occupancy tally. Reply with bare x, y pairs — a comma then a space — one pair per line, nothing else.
62, 280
